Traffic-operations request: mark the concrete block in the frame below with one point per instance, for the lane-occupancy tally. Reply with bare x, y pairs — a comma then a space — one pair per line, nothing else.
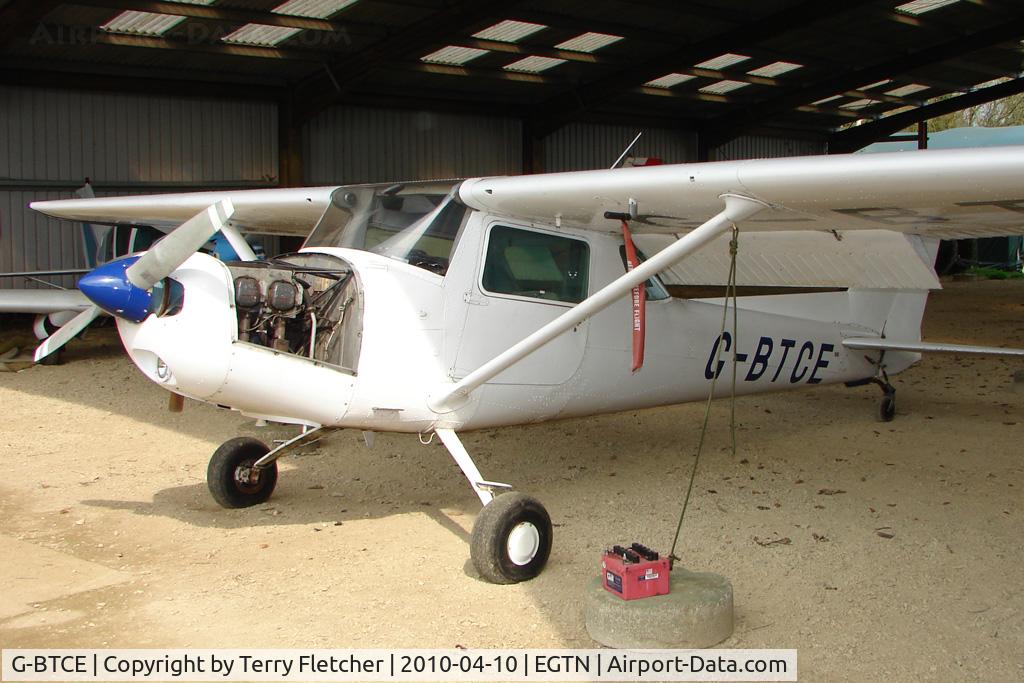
697, 613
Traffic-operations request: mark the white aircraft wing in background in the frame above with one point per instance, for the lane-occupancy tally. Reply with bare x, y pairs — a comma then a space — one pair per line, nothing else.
42, 301
278, 211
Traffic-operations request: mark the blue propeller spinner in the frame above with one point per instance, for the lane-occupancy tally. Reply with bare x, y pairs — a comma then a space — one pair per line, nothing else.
135, 287
109, 288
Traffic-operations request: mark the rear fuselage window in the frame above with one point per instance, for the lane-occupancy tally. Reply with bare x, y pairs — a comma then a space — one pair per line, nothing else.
655, 291
536, 265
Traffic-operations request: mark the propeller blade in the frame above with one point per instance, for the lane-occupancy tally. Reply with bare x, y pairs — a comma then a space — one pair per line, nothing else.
170, 252
67, 332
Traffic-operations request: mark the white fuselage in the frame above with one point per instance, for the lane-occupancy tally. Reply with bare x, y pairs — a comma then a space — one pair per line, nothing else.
422, 331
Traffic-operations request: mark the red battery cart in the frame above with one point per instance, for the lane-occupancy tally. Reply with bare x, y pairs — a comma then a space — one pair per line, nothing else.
634, 572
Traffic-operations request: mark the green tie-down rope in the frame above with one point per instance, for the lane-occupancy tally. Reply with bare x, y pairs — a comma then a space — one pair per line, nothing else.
730, 291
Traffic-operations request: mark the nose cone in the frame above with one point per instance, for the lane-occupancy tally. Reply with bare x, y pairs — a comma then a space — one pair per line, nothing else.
109, 288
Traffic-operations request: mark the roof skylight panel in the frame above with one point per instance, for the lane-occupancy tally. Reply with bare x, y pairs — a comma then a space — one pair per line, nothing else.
921, 6
260, 34
588, 42
147, 23
994, 81
453, 55
316, 9
857, 104
142, 23
775, 69
533, 64
722, 87
905, 90
509, 31
669, 80
722, 61
876, 84
828, 99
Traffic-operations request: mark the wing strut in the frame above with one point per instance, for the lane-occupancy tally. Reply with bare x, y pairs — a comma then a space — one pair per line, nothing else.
737, 208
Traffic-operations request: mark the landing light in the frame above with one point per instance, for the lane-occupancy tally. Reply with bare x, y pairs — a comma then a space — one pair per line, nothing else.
162, 371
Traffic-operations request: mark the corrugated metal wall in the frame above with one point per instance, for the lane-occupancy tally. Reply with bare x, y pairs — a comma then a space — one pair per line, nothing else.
762, 147
50, 140
365, 145
586, 146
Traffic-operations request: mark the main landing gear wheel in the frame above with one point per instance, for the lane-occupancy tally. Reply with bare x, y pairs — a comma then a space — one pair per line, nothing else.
231, 477
511, 539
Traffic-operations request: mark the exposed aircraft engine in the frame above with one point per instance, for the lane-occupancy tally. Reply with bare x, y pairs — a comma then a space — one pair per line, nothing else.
304, 304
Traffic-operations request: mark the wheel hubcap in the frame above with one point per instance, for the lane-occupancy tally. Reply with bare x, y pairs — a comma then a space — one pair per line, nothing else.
247, 477
523, 543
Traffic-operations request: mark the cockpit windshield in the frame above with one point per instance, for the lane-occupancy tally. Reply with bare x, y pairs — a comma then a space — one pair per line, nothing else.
415, 222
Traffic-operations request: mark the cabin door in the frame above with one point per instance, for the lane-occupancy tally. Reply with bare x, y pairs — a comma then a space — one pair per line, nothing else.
525, 278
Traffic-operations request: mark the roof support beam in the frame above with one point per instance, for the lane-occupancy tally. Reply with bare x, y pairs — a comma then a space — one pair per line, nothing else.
63, 34
137, 80
229, 15
558, 111
444, 26
852, 139
18, 19
289, 144
729, 127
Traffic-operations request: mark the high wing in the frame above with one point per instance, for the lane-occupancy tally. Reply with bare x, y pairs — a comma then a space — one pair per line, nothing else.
42, 300
946, 194
46, 273
279, 211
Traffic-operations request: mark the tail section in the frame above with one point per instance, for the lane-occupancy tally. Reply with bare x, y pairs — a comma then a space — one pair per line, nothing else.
894, 314
90, 241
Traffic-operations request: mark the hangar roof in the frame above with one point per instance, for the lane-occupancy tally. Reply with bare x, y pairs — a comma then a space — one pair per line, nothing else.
720, 67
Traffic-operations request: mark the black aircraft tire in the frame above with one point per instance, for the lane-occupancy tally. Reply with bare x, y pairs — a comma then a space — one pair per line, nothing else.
511, 539
887, 409
230, 464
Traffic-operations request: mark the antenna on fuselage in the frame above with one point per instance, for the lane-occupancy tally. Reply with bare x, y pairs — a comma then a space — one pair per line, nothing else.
626, 151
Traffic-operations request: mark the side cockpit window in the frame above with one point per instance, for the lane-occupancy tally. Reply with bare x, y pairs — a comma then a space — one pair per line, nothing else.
536, 265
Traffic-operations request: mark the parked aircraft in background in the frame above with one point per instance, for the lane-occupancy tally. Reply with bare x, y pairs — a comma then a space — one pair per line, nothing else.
56, 306
439, 308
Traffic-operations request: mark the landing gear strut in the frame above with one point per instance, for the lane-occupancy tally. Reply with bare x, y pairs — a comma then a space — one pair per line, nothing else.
512, 535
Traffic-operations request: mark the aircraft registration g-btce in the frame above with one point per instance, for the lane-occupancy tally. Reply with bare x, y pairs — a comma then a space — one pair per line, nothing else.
445, 307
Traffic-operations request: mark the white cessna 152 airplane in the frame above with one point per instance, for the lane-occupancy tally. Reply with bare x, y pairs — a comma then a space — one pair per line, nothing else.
439, 308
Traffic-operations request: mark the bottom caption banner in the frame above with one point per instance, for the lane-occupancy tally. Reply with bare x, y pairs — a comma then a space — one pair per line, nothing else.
399, 665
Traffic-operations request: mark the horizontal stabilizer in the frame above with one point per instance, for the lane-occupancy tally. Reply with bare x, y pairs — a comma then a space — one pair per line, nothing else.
878, 344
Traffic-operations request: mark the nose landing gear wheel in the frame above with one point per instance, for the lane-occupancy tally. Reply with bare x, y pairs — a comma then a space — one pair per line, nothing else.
231, 477
511, 539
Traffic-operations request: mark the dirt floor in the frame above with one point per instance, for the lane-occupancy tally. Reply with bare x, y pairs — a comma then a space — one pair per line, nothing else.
882, 551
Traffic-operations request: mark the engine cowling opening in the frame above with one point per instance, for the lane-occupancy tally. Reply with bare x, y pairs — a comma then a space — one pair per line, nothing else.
307, 304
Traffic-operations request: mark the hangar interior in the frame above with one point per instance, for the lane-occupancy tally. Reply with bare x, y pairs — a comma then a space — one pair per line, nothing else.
150, 96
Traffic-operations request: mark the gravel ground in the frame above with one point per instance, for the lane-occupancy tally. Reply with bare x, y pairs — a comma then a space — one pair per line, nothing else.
882, 551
